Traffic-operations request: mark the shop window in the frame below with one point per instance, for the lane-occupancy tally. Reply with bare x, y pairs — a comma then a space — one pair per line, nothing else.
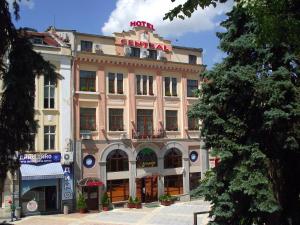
170, 86
144, 85
171, 120
146, 158
88, 119
145, 122
192, 59
195, 180
118, 190
193, 123
116, 161
173, 158
49, 137
192, 85
49, 93
115, 83
116, 120
86, 46
152, 54
87, 80
135, 52
173, 184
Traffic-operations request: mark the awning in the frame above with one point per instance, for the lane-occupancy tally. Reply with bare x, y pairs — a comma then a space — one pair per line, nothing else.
90, 182
46, 171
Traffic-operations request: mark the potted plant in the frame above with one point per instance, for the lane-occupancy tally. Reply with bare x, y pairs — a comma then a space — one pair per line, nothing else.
81, 204
131, 203
138, 203
105, 202
165, 199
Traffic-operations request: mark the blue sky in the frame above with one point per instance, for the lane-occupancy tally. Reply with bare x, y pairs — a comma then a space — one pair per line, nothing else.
107, 16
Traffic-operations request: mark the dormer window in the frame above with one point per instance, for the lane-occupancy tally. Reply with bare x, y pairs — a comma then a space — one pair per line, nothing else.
152, 54
135, 52
86, 46
192, 59
37, 41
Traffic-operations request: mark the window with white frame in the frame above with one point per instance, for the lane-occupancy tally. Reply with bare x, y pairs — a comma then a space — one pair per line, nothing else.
49, 137
144, 85
170, 86
49, 93
115, 83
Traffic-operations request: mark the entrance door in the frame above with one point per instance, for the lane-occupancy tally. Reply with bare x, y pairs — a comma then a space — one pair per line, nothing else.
144, 122
92, 197
147, 189
50, 198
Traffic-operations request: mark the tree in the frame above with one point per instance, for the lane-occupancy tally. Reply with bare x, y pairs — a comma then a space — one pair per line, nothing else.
250, 112
281, 18
19, 65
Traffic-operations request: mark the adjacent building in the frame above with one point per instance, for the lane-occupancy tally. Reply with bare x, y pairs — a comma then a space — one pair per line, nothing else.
131, 95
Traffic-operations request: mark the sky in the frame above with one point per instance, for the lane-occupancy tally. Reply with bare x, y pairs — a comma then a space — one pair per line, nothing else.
107, 16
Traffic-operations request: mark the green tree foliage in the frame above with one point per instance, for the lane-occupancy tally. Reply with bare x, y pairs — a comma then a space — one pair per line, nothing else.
278, 20
251, 115
19, 65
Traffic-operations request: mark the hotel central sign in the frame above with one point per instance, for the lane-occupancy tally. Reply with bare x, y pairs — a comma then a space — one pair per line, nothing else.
144, 44
142, 24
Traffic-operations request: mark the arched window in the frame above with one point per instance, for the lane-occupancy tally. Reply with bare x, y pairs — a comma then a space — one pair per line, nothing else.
117, 160
146, 158
173, 158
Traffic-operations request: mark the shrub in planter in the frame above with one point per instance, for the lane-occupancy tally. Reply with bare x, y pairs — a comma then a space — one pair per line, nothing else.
165, 200
105, 202
81, 204
138, 203
131, 203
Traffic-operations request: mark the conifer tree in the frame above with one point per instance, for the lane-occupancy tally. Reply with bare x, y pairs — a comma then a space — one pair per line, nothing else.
250, 115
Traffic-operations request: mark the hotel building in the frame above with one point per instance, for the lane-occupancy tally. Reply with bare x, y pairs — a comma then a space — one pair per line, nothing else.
132, 92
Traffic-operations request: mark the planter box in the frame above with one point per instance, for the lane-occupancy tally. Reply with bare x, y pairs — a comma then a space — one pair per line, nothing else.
138, 205
131, 205
82, 211
166, 203
105, 208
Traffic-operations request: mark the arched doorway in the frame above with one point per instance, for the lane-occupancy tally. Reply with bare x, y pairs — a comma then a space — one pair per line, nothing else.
146, 186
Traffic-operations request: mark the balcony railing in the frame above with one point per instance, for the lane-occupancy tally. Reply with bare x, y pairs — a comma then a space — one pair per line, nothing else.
160, 133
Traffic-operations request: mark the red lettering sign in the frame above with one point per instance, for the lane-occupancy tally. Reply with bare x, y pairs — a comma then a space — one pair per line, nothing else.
142, 24
143, 44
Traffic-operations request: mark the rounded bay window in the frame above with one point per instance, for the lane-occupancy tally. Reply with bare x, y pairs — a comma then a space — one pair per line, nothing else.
117, 161
173, 158
146, 158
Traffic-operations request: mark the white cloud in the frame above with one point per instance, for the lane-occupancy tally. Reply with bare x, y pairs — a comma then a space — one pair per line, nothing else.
27, 3
153, 12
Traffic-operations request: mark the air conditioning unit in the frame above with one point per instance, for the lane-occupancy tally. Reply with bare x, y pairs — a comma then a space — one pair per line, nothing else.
98, 49
127, 51
67, 158
85, 134
144, 53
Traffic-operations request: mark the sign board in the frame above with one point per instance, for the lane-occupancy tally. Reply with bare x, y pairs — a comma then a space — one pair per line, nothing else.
142, 24
145, 44
40, 158
67, 184
32, 206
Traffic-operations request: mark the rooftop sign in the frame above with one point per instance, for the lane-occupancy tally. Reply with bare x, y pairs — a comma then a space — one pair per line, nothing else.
142, 24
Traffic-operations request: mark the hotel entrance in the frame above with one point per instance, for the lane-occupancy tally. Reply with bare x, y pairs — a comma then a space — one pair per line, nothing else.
147, 188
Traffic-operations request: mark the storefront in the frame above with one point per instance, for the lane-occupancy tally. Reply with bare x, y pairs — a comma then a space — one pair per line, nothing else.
41, 183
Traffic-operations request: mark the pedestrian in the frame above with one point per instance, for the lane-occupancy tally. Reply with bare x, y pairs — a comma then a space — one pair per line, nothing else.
12, 211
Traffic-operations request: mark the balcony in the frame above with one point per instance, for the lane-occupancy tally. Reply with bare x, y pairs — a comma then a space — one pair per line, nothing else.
154, 134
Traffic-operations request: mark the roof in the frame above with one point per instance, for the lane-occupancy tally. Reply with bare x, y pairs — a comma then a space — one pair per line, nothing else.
187, 48
47, 39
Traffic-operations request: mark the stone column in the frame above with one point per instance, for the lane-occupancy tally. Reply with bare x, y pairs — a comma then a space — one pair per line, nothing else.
131, 101
186, 178
160, 181
103, 178
159, 101
204, 159
184, 108
132, 178
101, 110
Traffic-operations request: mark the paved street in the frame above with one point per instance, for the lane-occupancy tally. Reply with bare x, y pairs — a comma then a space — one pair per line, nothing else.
177, 214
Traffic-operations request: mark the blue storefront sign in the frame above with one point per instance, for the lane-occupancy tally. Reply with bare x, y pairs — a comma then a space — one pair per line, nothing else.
40, 158
67, 184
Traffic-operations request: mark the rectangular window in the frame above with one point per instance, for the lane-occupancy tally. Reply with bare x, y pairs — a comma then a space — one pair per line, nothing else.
193, 123
120, 83
87, 80
86, 46
49, 137
138, 85
192, 59
192, 85
174, 86
87, 119
118, 190
195, 180
152, 54
167, 86
111, 83
135, 52
144, 85
49, 93
151, 85
144, 122
116, 120
171, 120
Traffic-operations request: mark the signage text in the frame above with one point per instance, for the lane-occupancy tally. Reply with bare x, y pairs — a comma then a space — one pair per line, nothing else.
142, 24
144, 44
40, 158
